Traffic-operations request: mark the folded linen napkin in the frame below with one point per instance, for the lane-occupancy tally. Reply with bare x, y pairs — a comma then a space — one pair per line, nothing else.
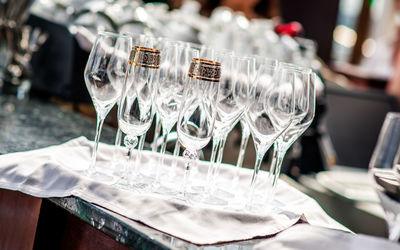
56, 172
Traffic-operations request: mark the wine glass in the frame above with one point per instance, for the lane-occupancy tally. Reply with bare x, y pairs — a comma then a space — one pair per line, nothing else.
104, 74
303, 116
162, 42
136, 110
256, 60
271, 109
120, 169
197, 113
206, 53
169, 93
382, 168
234, 92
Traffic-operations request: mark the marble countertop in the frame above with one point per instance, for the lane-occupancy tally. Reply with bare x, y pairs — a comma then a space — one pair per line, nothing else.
32, 124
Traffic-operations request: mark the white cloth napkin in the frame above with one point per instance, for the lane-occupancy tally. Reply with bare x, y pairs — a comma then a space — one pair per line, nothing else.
306, 237
53, 172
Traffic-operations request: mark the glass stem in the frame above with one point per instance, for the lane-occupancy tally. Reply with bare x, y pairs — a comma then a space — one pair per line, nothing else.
157, 131
141, 142
162, 158
242, 152
221, 149
164, 141
177, 150
128, 170
243, 146
214, 149
118, 137
99, 126
131, 176
139, 151
130, 154
219, 158
186, 178
215, 165
190, 159
276, 165
115, 160
275, 170
257, 166
128, 166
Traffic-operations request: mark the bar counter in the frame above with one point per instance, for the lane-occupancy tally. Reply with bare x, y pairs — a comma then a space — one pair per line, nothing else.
28, 222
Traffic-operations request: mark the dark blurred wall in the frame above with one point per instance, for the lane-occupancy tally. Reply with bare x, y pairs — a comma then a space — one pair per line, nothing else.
318, 18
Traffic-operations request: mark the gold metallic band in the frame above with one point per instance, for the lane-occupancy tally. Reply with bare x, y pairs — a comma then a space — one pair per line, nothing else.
145, 49
145, 57
205, 61
203, 69
204, 78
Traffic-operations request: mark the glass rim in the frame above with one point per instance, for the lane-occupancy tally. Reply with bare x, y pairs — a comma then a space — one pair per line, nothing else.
112, 34
236, 57
295, 67
179, 44
133, 35
264, 60
191, 45
275, 62
180, 48
227, 52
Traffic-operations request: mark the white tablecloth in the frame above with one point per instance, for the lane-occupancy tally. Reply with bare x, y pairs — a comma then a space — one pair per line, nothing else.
51, 172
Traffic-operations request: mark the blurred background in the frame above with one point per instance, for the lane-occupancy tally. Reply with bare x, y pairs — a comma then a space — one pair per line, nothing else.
352, 44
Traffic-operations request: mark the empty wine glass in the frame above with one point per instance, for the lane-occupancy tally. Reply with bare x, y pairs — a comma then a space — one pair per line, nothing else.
245, 127
206, 53
104, 74
270, 111
382, 167
120, 168
233, 100
303, 116
169, 93
162, 42
197, 114
136, 110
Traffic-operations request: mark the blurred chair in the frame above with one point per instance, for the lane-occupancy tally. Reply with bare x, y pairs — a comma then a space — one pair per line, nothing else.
353, 121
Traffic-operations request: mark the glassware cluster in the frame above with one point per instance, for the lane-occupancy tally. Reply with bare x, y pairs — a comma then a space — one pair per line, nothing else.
204, 92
